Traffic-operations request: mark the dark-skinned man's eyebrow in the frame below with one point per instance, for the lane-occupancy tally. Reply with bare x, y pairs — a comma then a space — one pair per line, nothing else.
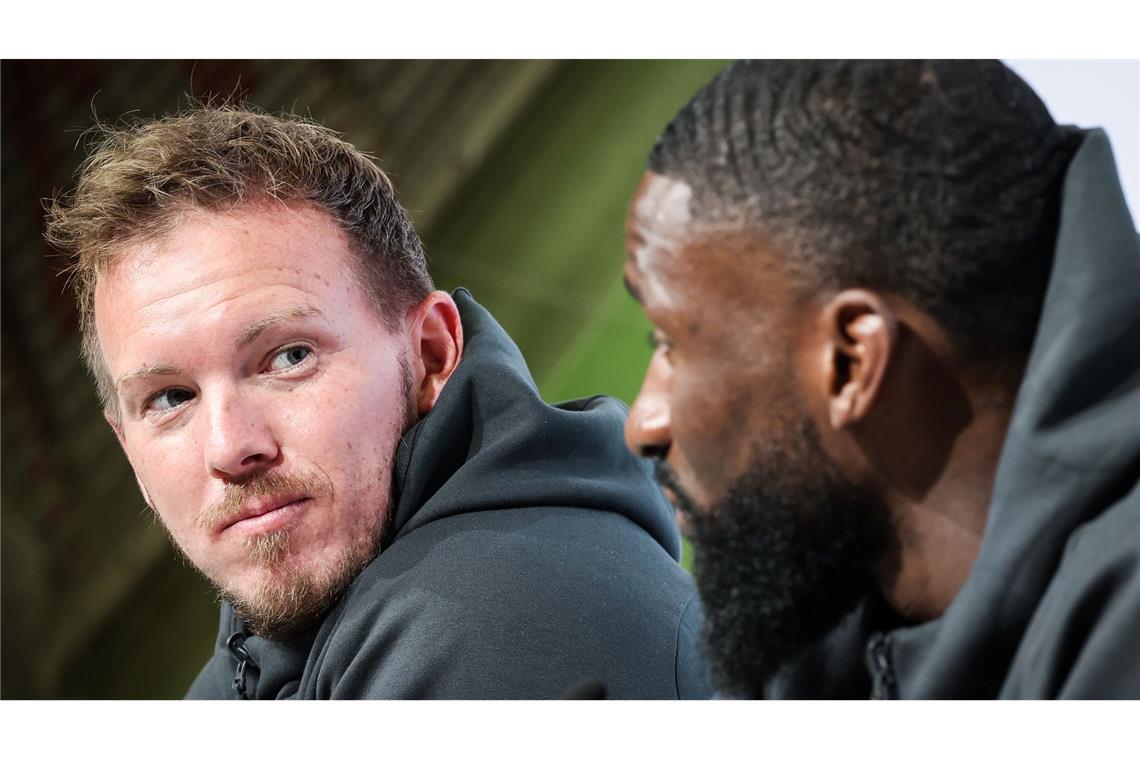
631, 288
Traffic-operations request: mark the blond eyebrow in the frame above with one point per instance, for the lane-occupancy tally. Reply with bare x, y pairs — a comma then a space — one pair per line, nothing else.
154, 369
249, 334
245, 337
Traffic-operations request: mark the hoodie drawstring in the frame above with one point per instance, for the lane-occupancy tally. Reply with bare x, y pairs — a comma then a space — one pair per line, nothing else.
235, 643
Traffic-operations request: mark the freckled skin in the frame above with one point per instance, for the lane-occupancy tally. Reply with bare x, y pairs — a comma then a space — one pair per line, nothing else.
182, 301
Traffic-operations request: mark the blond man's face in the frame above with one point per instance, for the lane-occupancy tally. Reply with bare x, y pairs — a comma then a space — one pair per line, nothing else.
262, 399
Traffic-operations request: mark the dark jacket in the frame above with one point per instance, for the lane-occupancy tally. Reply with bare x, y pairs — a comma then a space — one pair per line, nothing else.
1051, 607
529, 553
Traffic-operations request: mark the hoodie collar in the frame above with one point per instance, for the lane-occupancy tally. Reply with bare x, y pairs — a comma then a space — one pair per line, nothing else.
1070, 448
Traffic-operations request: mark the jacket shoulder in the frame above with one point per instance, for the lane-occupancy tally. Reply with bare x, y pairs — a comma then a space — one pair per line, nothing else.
1082, 640
215, 679
520, 603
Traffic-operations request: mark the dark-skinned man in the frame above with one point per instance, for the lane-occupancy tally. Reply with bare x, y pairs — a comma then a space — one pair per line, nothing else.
895, 397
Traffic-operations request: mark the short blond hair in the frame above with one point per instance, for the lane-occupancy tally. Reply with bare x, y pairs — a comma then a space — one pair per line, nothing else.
141, 175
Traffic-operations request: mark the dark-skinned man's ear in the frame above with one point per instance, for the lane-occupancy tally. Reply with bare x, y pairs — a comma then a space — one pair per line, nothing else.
861, 334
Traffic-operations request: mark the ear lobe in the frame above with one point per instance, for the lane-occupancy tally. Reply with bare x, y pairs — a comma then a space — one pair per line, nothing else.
438, 341
116, 425
861, 331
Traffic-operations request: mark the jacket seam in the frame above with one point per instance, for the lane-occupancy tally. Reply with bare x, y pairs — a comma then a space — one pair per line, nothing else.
677, 646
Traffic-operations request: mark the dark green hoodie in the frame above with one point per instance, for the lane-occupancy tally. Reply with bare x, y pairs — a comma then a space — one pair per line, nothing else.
1051, 607
529, 553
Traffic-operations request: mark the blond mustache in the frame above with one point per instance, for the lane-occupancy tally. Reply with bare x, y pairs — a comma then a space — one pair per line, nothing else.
260, 485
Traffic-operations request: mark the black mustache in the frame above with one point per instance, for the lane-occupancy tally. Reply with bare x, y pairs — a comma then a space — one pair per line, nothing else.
667, 477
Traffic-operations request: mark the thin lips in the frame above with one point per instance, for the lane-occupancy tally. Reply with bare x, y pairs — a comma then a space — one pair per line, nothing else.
259, 507
669, 494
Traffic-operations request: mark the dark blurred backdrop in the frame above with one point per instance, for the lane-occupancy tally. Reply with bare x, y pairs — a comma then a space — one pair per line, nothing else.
517, 174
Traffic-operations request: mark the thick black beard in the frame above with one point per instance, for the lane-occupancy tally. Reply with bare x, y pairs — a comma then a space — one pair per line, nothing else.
780, 560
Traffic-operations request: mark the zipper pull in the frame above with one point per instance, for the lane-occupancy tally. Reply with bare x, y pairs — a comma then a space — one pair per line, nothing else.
883, 684
236, 644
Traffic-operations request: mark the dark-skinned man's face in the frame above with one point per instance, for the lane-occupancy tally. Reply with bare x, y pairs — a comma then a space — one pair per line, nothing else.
784, 541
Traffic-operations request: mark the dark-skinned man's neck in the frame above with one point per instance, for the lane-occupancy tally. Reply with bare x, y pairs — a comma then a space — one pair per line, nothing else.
937, 487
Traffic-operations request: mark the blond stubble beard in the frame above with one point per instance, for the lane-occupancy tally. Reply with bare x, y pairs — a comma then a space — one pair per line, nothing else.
267, 549
293, 599
294, 596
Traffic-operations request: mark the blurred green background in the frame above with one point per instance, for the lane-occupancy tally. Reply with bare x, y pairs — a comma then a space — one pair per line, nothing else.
517, 174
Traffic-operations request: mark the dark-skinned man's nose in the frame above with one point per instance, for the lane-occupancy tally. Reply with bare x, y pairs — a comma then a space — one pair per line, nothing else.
647, 429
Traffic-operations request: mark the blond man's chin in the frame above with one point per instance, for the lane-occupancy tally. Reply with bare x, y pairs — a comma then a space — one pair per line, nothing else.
286, 600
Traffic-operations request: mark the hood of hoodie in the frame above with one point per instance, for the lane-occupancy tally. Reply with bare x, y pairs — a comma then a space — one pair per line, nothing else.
491, 442
1071, 453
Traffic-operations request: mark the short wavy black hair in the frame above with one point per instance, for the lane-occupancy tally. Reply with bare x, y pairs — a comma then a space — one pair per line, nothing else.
935, 180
